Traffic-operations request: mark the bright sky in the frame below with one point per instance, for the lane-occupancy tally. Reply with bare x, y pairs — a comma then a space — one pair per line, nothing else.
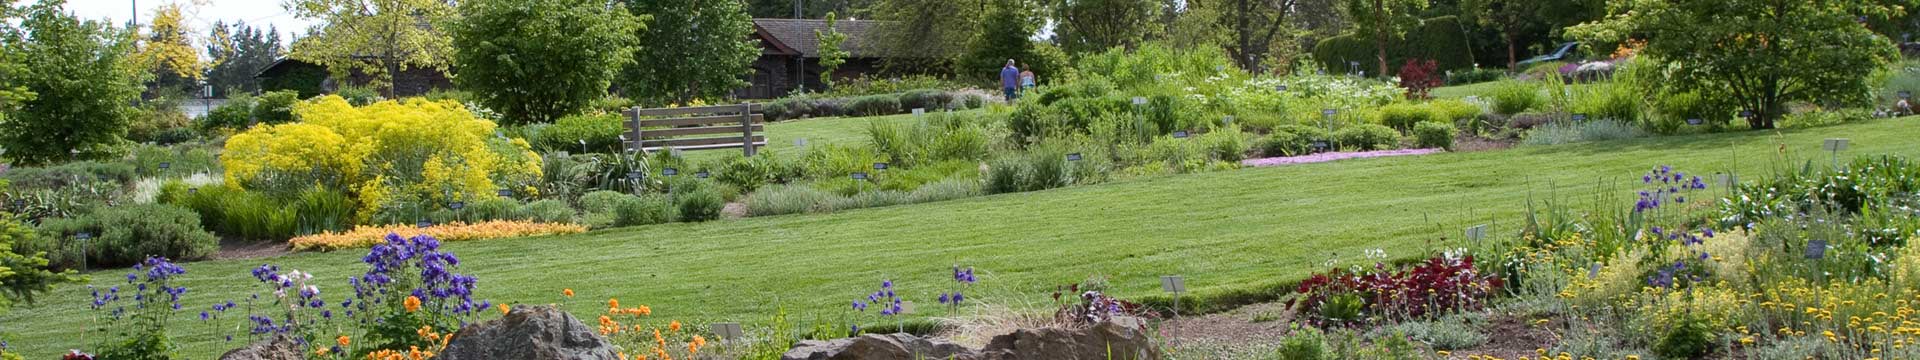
259, 13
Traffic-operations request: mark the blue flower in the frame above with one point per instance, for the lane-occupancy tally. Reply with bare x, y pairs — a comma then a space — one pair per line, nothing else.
943, 298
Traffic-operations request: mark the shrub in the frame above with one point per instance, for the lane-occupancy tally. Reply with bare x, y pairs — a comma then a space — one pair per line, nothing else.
275, 107
1292, 140
1402, 116
750, 173
1366, 137
1812, 119
1027, 172
601, 133
385, 154
643, 210
829, 107
488, 209
874, 105
786, 199
1454, 111
125, 235
1435, 135
1567, 132
69, 174
1475, 76
1225, 144
546, 211
603, 201
929, 99
1515, 97
869, 199
703, 204
1688, 338
1306, 343
160, 125
364, 236
363, 95
1419, 77
1691, 105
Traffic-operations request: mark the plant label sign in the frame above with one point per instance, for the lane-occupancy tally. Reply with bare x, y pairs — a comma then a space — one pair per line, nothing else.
859, 176
1696, 122
189, 191
879, 166
917, 112
506, 193
457, 205
1579, 117
83, 236
1320, 145
702, 174
424, 224
1835, 145
1180, 134
906, 307
727, 331
1477, 232
669, 171
1329, 112
1139, 101
1746, 114
1593, 271
1725, 180
635, 175
1816, 249
1281, 88
1173, 283
1228, 120
1073, 157
164, 166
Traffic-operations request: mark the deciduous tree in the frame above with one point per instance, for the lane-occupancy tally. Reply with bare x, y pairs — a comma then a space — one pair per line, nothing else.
379, 38
690, 49
80, 79
1382, 21
535, 61
831, 55
1093, 26
1764, 53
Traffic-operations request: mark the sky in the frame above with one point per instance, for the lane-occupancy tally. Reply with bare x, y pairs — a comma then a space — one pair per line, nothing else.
260, 13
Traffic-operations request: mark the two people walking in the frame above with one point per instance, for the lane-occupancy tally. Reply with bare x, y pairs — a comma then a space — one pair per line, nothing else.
1013, 80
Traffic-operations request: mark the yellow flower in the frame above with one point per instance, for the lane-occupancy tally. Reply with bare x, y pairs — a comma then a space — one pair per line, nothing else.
320, 352
412, 303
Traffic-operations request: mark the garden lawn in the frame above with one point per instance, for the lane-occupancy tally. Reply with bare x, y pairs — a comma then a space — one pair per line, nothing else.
1224, 231
817, 131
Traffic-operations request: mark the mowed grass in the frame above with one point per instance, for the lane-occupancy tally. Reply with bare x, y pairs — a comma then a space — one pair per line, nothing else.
1223, 231
782, 136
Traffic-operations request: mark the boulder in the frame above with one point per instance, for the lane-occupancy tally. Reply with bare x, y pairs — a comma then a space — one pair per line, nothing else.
1116, 340
530, 333
878, 347
279, 347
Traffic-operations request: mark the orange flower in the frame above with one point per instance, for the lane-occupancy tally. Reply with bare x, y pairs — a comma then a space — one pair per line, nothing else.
647, 311
675, 325
344, 340
700, 340
412, 303
569, 292
693, 348
320, 352
504, 309
613, 303
623, 356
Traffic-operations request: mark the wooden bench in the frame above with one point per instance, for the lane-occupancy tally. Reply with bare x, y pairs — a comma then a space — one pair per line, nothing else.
694, 128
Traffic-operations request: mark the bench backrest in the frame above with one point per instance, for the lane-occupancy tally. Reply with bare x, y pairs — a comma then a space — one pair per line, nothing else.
696, 128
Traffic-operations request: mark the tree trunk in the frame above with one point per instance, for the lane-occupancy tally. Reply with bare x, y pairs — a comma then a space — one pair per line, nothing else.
1513, 60
1380, 34
1244, 29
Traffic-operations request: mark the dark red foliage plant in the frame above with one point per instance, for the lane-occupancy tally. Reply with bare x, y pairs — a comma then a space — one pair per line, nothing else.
1419, 77
1431, 288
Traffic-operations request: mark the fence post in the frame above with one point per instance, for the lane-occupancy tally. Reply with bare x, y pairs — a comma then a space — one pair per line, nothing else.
633, 120
746, 128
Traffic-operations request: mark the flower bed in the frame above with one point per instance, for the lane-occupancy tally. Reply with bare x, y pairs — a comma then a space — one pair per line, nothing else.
365, 236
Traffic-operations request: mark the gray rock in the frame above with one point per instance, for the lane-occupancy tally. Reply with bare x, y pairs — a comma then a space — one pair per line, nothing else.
280, 347
529, 333
878, 347
1116, 340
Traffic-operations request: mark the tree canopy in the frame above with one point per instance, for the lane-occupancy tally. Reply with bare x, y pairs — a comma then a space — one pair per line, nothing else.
1093, 26
379, 38
79, 78
690, 49
169, 52
831, 55
1763, 53
238, 52
535, 61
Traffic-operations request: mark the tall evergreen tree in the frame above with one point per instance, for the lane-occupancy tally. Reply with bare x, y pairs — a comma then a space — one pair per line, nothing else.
238, 52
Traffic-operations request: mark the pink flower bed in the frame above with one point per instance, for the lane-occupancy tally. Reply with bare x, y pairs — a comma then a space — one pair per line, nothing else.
1325, 157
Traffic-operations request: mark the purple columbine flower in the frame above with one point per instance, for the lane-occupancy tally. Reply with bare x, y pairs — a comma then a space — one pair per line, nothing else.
943, 298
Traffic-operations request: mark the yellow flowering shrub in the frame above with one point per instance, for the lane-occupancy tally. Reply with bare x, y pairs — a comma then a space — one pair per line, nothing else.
365, 236
416, 150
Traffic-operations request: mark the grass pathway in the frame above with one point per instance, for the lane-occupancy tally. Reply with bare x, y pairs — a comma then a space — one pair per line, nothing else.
1223, 230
